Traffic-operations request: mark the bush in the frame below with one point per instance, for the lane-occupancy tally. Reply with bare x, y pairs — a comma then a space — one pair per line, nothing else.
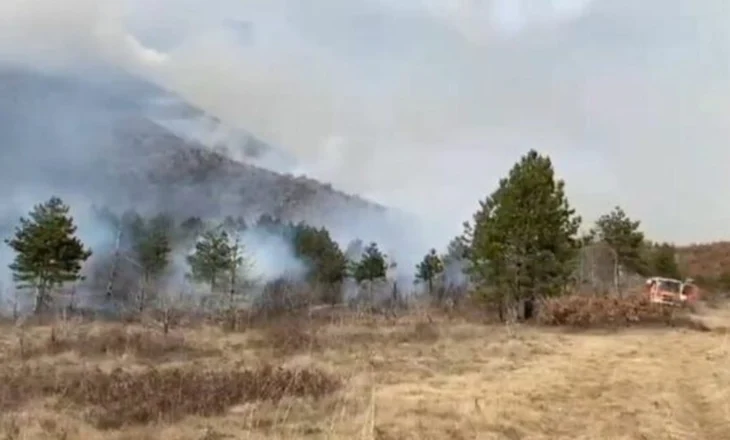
286, 336
116, 340
598, 311
117, 398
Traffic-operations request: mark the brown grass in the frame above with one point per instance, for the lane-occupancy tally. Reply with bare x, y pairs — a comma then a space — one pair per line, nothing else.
608, 311
418, 376
121, 397
290, 336
707, 260
105, 341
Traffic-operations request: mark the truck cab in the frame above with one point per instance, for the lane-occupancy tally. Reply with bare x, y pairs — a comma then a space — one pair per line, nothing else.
671, 291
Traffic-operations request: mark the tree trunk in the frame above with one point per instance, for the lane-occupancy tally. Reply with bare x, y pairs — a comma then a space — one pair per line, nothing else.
37, 308
40, 297
143, 294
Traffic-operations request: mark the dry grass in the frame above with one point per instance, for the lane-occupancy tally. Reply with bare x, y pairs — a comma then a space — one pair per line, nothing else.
708, 260
120, 397
608, 311
374, 377
109, 340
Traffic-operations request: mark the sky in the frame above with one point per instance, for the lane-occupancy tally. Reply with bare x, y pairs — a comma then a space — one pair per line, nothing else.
425, 104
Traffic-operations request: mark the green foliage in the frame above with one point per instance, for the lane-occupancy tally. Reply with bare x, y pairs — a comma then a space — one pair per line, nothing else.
151, 241
211, 258
190, 229
327, 265
47, 252
622, 235
220, 261
522, 241
273, 226
664, 261
429, 268
372, 265
238, 270
237, 224
456, 252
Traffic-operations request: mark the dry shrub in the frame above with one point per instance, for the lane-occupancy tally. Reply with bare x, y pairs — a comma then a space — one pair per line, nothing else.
113, 340
599, 311
287, 336
422, 331
118, 398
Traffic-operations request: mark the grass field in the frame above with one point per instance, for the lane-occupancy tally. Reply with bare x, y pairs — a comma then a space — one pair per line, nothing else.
364, 378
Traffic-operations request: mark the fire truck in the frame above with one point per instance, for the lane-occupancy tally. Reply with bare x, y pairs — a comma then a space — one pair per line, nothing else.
670, 291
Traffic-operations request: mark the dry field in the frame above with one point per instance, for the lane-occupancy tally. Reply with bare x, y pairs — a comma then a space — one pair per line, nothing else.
367, 377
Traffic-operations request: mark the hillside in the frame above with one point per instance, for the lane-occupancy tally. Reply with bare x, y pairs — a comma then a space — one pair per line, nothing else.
114, 140
706, 260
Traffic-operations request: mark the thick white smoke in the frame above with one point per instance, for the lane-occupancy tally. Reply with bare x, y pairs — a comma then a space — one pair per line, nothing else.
424, 104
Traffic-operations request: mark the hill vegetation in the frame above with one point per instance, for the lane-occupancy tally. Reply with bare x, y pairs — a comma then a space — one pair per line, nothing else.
709, 263
173, 333
521, 245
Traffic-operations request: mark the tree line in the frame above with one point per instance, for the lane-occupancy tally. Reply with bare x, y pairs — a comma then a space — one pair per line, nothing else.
522, 242
49, 254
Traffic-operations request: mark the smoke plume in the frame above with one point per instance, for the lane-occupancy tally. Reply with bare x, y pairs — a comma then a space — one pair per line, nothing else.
424, 104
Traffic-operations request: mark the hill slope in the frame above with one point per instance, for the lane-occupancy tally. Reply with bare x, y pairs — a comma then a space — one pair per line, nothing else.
112, 139
707, 260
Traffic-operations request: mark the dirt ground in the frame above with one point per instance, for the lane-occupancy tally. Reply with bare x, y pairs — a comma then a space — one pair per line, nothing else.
412, 379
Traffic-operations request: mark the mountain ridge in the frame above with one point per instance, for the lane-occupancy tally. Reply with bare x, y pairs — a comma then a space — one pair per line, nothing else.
113, 144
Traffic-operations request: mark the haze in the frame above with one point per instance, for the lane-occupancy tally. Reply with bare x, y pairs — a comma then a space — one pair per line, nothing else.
424, 105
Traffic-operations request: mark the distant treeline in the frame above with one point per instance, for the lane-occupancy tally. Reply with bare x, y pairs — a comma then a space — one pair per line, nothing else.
523, 242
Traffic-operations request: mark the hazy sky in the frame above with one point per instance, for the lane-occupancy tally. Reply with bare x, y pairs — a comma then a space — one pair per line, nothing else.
425, 104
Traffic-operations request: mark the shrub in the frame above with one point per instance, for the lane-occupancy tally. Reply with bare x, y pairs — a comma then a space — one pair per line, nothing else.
116, 340
590, 311
117, 398
287, 336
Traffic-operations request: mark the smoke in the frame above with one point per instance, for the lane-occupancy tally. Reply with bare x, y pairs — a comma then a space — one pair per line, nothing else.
424, 104
270, 257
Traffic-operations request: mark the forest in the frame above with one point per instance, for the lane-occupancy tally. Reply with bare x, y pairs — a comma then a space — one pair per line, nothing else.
524, 242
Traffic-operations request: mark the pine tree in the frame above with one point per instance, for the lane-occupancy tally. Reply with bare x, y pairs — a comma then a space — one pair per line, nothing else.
211, 258
327, 265
189, 229
622, 234
372, 265
152, 245
429, 268
237, 267
48, 254
664, 261
523, 240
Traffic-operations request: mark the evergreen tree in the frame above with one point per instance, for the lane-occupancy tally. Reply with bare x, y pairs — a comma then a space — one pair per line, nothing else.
327, 265
456, 251
664, 261
47, 252
237, 267
211, 258
152, 244
522, 241
372, 265
151, 241
234, 225
190, 229
622, 235
429, 268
